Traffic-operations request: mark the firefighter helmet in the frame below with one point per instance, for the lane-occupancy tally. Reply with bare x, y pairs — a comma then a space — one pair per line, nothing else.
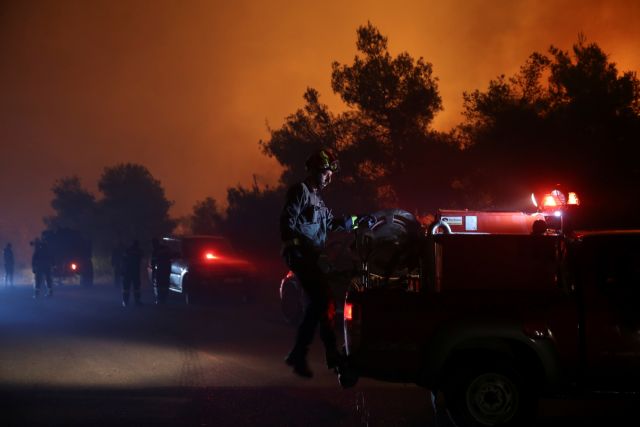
322, 160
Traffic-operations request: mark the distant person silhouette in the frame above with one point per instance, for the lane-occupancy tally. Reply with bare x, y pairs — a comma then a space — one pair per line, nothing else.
116, 263
41, 263
9, 263
131, 273
160, 270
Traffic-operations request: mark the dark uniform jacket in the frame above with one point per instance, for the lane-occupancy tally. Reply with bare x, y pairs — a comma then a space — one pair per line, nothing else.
305, 220
8, 259
131, 261
41, 260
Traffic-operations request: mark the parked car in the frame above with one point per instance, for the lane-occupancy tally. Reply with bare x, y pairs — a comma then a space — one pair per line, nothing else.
203, 266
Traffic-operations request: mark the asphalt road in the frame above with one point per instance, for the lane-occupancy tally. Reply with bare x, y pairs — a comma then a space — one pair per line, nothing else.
79, 358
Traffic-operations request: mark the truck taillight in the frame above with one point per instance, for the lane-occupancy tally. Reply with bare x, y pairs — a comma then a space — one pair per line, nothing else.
348, 311
352, 327
210, 256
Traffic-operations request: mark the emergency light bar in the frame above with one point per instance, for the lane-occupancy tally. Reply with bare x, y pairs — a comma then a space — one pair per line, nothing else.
573, 199
554, 206
554, 201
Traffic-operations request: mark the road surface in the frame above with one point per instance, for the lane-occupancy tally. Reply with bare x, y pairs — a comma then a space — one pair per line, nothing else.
79, 358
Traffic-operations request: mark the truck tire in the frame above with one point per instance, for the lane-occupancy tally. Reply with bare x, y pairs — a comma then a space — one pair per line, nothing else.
493, 393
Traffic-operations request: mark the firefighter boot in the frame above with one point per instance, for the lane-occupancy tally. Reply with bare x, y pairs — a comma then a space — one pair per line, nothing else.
298, 361
334, 359
347, 377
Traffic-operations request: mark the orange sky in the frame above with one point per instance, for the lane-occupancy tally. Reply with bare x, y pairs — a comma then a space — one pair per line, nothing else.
187, 88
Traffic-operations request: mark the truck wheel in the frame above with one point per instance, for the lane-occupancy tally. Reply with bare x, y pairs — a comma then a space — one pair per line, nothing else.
491, 394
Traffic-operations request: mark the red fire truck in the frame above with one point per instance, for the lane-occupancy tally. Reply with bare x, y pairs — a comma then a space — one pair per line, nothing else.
496, 309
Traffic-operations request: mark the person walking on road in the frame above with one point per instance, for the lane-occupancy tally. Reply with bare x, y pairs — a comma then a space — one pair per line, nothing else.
160, 270
41, 264
116, 264
131, 273
9, 263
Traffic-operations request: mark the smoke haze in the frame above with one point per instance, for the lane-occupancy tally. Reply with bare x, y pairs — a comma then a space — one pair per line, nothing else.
188, 88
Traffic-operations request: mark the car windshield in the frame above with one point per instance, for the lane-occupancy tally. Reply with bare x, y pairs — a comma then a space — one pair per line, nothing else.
197, 246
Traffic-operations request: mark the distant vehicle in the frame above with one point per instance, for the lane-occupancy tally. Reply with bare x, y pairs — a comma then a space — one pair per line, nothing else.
204, 265
71, 255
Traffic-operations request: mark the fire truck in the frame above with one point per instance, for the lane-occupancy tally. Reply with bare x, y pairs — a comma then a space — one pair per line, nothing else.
493, 310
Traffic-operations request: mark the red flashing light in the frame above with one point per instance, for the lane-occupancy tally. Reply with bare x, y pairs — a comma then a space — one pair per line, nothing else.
348, 311
74, 266
210, 256
573, 199
555, 200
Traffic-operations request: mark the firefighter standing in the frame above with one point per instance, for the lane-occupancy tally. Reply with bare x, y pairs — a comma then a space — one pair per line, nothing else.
41, 263
116, 263
160, 270
304, 224
9, 262
131, 273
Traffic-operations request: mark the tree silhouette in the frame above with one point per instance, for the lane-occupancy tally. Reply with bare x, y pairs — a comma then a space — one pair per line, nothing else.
205, 218
394, 101
252, 219
74, 206
388, 154
564, 118
303, 132
134, 205
399, 93
568, 118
